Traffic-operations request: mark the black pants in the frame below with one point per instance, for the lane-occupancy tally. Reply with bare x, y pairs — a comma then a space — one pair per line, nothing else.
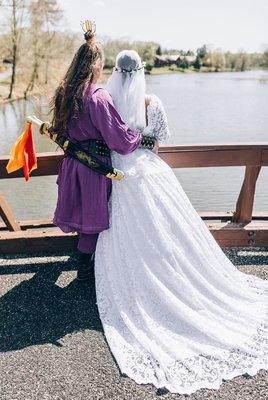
87, 243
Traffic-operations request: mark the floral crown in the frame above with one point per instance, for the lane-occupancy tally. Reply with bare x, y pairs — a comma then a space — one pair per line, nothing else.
130, 71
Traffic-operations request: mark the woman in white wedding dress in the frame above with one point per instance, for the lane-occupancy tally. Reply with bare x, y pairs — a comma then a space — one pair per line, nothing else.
175, 311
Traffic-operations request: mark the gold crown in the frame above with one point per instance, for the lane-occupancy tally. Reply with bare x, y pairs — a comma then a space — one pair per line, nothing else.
89, 27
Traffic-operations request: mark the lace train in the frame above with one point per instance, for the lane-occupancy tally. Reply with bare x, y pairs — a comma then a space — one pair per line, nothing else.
175, 311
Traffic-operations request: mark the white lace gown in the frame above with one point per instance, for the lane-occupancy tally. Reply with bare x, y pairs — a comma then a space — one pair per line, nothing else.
175, 311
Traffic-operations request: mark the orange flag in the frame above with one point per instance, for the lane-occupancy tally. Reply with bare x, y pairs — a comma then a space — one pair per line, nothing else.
23, 153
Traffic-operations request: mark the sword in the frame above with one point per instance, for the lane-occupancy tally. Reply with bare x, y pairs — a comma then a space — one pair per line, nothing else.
73, 149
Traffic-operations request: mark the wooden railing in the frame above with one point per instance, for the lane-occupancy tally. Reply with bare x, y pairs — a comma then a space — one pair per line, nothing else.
251, 155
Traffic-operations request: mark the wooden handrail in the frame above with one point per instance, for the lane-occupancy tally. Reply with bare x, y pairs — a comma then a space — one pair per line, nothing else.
215, 155
252, 155
183, 156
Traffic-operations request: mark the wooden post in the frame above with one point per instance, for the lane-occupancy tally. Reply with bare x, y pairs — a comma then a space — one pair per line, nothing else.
7, 215
244, 205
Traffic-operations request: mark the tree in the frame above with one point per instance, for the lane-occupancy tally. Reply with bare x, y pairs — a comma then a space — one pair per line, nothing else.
230, 60
148, 55
202, 52
217, 60
109, 62
265, 58
147, 50
197, 63
16, 19
182, 63
189, 53
159, 51
44, 16
242, 61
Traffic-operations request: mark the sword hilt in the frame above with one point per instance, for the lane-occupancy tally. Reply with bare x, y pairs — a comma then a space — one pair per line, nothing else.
117, 175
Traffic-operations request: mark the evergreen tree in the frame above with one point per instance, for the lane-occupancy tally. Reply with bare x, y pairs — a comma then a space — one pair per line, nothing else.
197, 64
159, 51
182, 63
202, 52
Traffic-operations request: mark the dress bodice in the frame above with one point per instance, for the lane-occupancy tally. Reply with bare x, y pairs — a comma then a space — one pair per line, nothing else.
157, 127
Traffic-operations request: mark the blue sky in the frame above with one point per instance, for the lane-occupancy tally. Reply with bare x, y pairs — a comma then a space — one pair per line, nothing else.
228, 24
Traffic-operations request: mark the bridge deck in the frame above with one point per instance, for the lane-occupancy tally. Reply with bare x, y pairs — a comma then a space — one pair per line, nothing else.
53, 346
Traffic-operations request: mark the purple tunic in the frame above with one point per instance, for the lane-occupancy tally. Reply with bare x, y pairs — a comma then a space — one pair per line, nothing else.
83, 194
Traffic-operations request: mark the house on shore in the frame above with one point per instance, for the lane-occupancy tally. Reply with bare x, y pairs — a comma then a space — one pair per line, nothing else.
168, 60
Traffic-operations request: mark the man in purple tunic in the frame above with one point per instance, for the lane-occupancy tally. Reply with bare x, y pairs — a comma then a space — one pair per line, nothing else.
84, 112
83, 194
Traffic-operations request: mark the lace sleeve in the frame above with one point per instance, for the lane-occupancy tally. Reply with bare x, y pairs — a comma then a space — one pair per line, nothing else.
157, 120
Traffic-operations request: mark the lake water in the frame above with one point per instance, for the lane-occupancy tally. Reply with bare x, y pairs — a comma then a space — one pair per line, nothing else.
201, 108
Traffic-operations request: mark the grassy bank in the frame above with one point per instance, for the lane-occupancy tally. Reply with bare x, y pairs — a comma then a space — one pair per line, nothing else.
40, 88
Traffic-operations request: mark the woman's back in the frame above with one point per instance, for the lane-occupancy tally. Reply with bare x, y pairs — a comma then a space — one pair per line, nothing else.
142, 161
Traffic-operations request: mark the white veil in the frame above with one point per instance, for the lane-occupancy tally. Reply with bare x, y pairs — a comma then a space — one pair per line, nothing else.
127, 88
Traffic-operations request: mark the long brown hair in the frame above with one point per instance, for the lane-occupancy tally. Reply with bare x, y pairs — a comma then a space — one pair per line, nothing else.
68, 96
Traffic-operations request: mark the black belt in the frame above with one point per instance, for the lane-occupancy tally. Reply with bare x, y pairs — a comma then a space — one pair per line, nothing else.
78, 151
95, 146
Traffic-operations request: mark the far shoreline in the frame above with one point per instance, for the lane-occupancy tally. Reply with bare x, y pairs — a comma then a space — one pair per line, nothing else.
175, 70
19, 91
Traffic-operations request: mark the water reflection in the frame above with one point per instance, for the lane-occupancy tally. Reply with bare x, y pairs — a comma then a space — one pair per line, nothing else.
201, 108
12, 119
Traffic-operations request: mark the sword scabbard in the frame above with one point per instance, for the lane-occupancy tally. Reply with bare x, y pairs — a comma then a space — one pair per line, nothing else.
80, 154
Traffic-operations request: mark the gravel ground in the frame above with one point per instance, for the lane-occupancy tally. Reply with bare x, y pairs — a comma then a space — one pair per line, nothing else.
52, 343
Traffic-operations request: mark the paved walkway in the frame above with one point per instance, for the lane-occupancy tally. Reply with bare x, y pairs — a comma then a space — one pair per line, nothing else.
52, 342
